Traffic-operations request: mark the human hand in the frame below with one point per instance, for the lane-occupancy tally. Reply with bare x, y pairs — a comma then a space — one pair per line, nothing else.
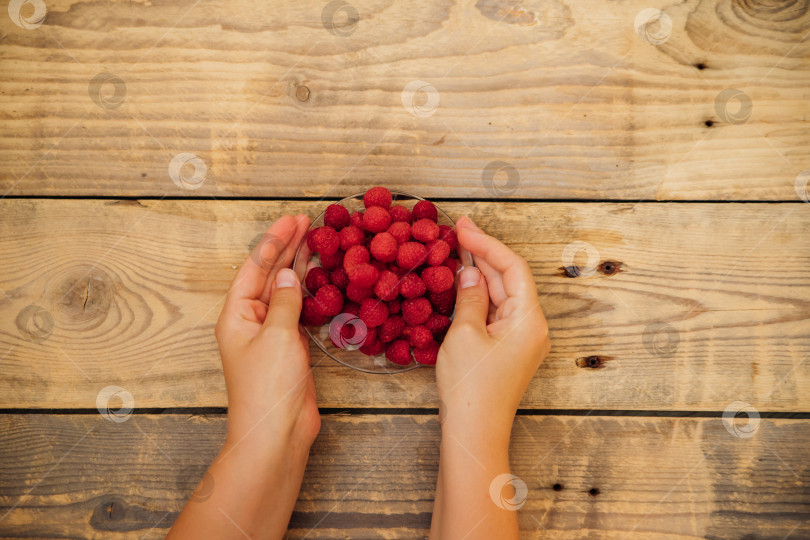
265, 357
497, 339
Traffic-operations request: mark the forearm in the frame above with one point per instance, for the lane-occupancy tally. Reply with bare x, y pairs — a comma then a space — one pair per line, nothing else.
251, 490
469, 461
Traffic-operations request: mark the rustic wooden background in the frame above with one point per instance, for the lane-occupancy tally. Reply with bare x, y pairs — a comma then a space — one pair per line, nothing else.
667, 139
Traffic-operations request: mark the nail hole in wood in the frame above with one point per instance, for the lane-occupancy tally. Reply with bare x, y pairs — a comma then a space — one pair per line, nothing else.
557, 487
700, 66
709, 123
610, 267
594, 492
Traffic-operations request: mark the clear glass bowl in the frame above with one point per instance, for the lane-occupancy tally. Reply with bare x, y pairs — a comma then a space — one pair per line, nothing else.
350, 355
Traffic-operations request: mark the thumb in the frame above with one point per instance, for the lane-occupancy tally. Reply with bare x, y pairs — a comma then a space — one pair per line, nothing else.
284, 307
472, 299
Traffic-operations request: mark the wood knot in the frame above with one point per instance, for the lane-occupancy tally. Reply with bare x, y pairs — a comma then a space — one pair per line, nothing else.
302, 93
593, 362
110, 510
610, 267
83, 293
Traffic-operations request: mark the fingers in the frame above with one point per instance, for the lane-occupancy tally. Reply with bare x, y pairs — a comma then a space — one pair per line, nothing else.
284, 307
472, 300
515, 274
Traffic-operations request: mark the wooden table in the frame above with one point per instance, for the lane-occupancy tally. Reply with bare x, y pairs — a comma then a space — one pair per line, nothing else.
649, 159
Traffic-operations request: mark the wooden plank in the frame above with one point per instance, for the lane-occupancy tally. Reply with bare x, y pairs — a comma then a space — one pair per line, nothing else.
275, 102
133, 290
374, 476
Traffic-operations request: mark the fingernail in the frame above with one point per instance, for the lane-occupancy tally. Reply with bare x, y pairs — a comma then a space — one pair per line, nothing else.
285, 278
469, 277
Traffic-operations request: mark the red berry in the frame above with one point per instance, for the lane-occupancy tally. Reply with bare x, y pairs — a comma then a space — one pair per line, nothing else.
428, 355
391, 328
356, 219
412, 286
437, 252
316, 278
351, 236
437, 324
330, 262
425, 210
420, 337
376, 219
325, 240
351, 307
416, 310
355, 255
447, 234
451, 263
425, 230
364, 275
329, 300
339, 278
377, 196
373, 312
437, 278
357, 293
310, 314
393, 306
374, 348
336, 216
387, 287
383, 247
443, 302
400, 213
398, 352
411, 255
401, 231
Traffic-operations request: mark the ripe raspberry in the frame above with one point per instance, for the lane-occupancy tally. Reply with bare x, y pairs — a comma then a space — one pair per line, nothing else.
377, 196
406, 332
330, 262
325, 240
351, 307
347, 336
437, 252
438, 278
364, 275
400, 272
412, 286
447, 234
357, 293
443, 302
316, 278
451, 263
420, 337
425, 230
401, 231
425, 210
391, 328
374, 348
339, 278
416, 310
411, 255
383, 247
351, 236
355, 255
428, 355
400, 213
310, 314
336, 216
393, 306
329, 300
437, 324
356, 219
376, 219
398, 352
387, 287
373, 312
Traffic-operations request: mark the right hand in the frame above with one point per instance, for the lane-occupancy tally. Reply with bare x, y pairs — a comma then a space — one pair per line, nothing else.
497, 339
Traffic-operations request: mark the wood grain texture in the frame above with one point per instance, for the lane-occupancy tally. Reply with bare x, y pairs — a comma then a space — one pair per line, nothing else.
131, 291
374, 476
277, 102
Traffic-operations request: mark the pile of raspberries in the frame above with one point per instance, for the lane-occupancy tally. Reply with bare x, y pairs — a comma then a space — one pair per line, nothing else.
389, 267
